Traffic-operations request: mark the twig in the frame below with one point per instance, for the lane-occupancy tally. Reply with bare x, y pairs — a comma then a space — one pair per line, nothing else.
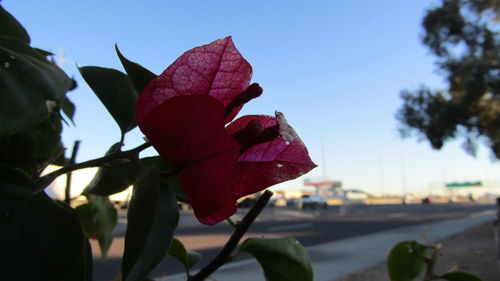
44, 181
67, 192
224, 254
431, 262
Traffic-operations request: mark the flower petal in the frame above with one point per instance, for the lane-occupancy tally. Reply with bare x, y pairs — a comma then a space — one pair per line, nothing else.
263, 165
188, 132
216, 69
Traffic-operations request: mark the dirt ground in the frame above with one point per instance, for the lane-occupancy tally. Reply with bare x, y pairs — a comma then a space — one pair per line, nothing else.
474, 249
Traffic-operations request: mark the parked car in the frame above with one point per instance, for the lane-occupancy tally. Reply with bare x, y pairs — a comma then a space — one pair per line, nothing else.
427, 200
292, 202
355, 195
312, 202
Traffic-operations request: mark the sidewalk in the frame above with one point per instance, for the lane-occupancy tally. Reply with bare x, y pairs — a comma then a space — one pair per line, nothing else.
340, 258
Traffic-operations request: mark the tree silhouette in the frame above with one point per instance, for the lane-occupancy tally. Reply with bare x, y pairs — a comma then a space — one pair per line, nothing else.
464, 36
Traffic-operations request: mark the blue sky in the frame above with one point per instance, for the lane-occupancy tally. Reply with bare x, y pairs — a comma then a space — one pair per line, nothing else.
334, 68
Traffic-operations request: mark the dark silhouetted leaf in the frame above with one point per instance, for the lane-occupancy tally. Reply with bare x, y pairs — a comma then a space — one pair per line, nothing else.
460, 276
18, 151
44, 53
43, 241
48, 141
83, 269
188, 258
116, 92
282, 259
23, 104
113, 178
14, 183
68, 108
406, 261
32, 150
10, 27
152, 219
167, 176
139, 75
99, 217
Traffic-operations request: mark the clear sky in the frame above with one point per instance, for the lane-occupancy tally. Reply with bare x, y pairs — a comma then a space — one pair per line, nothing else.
335, 68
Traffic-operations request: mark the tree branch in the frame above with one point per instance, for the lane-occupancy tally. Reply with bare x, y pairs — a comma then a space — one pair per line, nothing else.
225, 253
67, 192
44, 181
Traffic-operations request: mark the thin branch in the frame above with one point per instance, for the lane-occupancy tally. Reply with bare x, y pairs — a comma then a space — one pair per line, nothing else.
44, 181
431, 263
225, 253
67, 192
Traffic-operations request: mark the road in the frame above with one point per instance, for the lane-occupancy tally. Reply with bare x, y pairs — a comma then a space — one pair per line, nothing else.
309, 227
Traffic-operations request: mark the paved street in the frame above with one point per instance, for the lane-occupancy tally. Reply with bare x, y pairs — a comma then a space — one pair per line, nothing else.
310, 228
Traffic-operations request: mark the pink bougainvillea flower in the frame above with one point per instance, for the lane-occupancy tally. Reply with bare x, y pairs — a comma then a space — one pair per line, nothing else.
184, 113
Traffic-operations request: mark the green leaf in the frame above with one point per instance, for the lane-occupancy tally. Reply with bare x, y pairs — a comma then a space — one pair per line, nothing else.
114, 178
406, 261
83, 269
43, 241
188, 258
116, 92
99, 217
282, 259
14, 183
48, 141
171, 180
460, 276
33, 149
44, 52
18, 151
88, 216
139, 75
120, 174
30, 86
152, 219
10, 27
68, 108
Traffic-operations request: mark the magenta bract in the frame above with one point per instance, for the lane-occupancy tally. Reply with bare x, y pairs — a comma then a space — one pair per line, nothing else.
184, 112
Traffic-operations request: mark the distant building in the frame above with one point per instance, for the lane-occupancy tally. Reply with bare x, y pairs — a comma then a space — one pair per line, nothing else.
325, 188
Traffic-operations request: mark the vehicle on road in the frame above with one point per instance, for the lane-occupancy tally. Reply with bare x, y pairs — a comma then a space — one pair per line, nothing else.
355, 196
427, 200
312, 202
292, 202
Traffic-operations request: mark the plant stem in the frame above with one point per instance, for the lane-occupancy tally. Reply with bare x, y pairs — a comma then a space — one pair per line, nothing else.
225, 253
44, 181
67, 192
431, 262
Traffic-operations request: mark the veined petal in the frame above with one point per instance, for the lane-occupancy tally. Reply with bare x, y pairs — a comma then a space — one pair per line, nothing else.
188, 132
280, 159
216, 69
